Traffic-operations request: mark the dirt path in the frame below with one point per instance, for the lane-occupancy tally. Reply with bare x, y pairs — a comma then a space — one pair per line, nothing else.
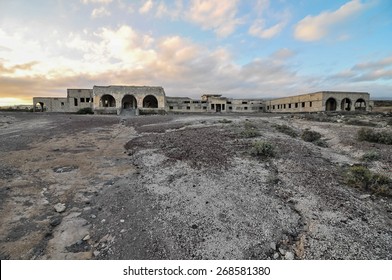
184, 187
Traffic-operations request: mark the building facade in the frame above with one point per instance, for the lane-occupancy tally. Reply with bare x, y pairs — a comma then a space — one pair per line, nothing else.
150, 100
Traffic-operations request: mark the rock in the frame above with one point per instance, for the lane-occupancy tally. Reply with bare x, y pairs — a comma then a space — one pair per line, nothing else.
55, 222
289, 256
96, 253
60, 207
93, 216
364, 196
122, 231
121, 221
282, 251
103, 220
273, 246
276, 255
87, 237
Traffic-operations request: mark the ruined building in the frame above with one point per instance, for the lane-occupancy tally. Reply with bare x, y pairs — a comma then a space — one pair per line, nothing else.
151, 100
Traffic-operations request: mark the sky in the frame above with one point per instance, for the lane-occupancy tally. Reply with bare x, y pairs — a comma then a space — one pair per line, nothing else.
237, 48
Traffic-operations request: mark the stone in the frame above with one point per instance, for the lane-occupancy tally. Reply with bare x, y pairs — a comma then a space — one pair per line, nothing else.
122, 231
55, 222
289, 256
60, 207
93, 216
96, 253
273, 246
87, 237
276, 255
121, 221
282, 251
364, 196
103, 220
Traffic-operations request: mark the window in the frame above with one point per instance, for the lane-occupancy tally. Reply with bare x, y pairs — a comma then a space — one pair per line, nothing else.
310, 104
187, 102
82, 99
245, 108
228, 102
260, 108
303, 104
171, 107
284, 106
244, 102
75, 102
62, 103
204, 107
204, 102
212, 106
290, 106
273, 107
230, 108
188, 107
268, 107
223, 107
296, 105
195, 102
92, 99
87, 99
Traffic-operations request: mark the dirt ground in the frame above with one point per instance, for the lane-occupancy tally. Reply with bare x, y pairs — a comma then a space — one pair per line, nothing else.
187, 187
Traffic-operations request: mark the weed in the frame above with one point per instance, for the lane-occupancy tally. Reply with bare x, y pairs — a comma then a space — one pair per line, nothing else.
85, 111
262, 149
310, 135
361, 177
286, 130
370, 135
250, 131
370, 156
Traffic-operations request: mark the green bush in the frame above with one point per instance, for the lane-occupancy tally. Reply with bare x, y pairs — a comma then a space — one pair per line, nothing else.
361, 177
370, 135
371, 156
286, 130
250, 131
262, 149
310, 135
85, 111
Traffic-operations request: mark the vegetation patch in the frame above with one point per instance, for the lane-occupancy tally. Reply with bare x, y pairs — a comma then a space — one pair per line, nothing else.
370, 135
360, 123
371, 156
225, 121
286, 130
250, 130
85, 111
313, 137
362, 178
262, 149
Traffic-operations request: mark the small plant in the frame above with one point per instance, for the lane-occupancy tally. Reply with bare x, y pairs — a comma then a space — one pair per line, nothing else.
310, 135
286, 130
370, 135
225, 121
370, 156
262, 149
250, 131
361, 177
85, 111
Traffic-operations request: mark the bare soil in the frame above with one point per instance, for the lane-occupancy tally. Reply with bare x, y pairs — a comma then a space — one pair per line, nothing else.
187, 187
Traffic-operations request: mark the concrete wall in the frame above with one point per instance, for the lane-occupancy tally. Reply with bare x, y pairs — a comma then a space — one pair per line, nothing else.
79, 99
119, 92
50, 104
318, 102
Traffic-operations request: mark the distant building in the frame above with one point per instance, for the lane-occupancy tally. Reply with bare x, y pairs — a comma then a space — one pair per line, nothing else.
145, 99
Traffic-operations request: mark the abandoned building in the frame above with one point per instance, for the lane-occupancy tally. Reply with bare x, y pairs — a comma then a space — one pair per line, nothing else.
152, 100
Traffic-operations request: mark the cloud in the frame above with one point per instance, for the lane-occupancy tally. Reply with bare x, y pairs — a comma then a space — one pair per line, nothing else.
258, 29
147, 6
219, 16
100, 12
173, 11
97, 1
313, 28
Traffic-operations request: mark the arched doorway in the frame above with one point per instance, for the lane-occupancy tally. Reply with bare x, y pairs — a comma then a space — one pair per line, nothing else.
150, 101
330, 104
129, 102
360, 105
40, 107
107, 101
346, 104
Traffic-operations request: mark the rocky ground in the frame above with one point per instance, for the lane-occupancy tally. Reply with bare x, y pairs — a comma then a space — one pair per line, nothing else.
187, 187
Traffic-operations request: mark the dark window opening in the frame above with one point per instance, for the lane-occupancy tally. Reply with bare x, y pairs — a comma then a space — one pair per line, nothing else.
244, 102
273, 107
310, 104
107, 101
290, 106
150, 101
187, 102
188, 108
303, 104
268, 107
284, 106
245, 108
171, 107
62, 103
82, 99
230, 108
228, 102
212, 106
223, 107
87, 99
75, 102
296, 105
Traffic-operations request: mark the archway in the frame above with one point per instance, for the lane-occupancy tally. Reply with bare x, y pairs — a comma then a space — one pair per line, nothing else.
330, 104
346, 104
129, 102
360, 105
40, 106
107, 101
150, 101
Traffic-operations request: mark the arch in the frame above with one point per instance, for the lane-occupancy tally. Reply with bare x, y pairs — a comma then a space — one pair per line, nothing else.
107, 101
360, 105
40, 106
330, 104
129, 102
150, 101
345, 104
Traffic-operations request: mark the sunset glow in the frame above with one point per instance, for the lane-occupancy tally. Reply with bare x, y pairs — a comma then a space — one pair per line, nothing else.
237, 48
